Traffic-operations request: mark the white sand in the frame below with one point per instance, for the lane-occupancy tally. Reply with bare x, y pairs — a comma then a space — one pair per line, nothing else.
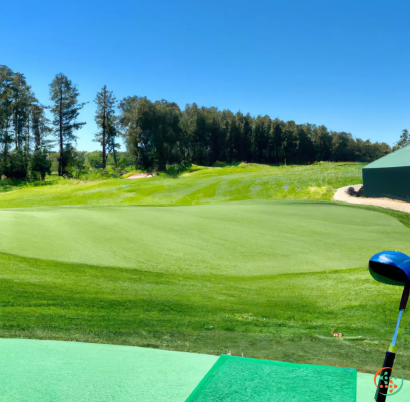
341, 195
140, 175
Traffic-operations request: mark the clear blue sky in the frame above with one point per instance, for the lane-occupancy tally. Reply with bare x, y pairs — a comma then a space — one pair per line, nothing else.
341, 63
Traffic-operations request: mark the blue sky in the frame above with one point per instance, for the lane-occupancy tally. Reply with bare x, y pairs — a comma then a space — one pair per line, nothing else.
344, 64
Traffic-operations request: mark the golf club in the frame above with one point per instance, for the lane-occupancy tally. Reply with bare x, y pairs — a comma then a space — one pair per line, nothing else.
392, 268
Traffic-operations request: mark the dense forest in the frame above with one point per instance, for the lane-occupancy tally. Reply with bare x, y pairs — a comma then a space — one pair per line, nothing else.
156, 134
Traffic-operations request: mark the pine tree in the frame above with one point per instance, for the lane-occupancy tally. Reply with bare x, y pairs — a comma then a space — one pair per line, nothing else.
16, 99
23, 98
41, 162
106, 121
403, 141
6, 113
112, 145
65, 110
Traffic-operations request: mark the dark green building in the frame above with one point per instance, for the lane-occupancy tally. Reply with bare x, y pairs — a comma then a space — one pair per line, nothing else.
389, 176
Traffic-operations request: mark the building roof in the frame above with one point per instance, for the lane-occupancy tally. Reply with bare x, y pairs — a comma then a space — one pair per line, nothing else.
399, 158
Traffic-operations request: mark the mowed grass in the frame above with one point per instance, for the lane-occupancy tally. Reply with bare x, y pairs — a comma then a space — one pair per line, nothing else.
237, 238
201, 186
263, 277
284, 317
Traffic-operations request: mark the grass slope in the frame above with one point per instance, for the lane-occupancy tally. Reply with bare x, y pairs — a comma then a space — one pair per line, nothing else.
239, 238
283, 317
202, 186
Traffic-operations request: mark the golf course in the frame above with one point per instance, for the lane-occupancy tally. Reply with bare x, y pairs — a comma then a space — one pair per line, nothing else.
204, 201
248, 260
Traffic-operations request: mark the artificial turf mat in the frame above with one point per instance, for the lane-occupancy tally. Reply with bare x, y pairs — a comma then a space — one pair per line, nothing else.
239, 379
50, 371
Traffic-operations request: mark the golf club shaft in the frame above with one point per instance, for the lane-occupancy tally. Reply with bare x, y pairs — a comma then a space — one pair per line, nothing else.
391, 354
405, 296
396, 332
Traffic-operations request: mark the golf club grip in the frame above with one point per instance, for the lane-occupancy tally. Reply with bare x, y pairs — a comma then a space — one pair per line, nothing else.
388, 362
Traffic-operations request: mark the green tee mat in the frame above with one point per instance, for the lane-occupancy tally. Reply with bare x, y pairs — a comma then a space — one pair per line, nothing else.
52, 371
240, 379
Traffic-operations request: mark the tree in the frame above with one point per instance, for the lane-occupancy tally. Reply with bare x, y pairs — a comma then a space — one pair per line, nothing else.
6, 112
152, 131
403, 141
166, 132
112, 144
65, 110
41, 162
131, 130
106, 120
16, 100
158, 133
322, 141
261, 139
276, 132
305, 148
23, 98
75, 161
342, 149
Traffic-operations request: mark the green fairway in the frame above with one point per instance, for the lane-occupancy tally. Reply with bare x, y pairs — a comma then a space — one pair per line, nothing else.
241, 238
201, 186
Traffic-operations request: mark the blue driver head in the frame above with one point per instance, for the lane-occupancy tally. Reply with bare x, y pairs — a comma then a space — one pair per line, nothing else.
390, 267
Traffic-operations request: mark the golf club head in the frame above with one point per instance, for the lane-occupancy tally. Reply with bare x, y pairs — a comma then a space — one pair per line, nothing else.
390, 267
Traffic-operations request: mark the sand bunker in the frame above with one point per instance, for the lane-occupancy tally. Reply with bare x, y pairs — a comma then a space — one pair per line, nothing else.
341, 195
141, 175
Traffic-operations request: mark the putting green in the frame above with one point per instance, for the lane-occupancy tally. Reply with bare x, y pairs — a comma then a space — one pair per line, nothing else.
238, 238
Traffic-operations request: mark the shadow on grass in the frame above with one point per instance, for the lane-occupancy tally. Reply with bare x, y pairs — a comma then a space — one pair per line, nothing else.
11, 184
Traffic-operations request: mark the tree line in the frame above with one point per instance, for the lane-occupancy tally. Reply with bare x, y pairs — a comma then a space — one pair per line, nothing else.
159, 133
156, 134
